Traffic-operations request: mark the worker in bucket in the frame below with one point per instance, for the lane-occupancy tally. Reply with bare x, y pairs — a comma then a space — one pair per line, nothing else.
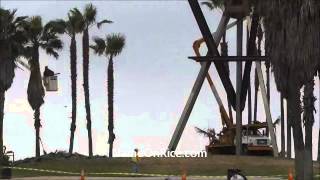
135, 160
47, 72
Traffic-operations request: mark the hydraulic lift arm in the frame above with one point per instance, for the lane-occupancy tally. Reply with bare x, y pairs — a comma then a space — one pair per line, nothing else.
224, 116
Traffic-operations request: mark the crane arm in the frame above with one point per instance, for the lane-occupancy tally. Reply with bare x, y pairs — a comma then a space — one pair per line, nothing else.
224, 116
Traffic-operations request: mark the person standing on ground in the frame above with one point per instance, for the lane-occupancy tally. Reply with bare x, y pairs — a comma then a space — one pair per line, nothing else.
135, 160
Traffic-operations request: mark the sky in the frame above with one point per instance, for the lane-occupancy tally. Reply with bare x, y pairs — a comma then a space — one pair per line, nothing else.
153, 79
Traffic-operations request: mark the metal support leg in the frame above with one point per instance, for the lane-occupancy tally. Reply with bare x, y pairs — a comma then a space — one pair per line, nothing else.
189, 106
267, 109
210, 42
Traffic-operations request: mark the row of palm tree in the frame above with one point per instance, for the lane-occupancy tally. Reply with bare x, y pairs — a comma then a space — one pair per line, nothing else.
292, 42
23, 37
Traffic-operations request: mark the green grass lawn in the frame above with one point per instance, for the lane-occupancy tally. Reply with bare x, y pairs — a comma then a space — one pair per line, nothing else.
212, 165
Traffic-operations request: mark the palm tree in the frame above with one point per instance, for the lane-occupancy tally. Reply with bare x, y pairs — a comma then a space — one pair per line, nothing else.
89, 19
72, 26
40, 37
12, 40
294, 65
110, 47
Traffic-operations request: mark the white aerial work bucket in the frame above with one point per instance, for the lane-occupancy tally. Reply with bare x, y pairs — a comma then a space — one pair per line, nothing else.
51, 83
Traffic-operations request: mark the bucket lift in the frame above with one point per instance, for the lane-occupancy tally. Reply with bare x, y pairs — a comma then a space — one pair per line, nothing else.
50, 79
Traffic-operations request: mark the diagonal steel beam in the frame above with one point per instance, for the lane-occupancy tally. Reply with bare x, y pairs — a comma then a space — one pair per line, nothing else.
212, 47
251, 51
213, 50
267, 109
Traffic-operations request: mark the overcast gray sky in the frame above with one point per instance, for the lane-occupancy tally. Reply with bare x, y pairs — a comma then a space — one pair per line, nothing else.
153, 79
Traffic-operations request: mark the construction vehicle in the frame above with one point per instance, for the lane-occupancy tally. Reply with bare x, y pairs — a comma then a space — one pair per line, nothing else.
254, 139
6, 162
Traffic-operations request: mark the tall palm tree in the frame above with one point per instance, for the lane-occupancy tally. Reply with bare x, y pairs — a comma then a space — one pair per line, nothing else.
72, 26
110, 47
294, 65
89, 20
12, 40
40, 37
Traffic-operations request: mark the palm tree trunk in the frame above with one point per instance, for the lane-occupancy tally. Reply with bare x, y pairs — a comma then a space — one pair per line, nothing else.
37, 126
256, 89
308, 106
289, 134
85, 46
2, 99
283, 146
73, 68
110, 106
294, 108
36, 94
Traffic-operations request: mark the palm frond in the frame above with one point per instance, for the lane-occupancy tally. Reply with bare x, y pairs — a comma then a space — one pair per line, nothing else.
99, 46
90, 13
276, 122
52, 52
35, 27
207, 133
75, 21
115, 44
213, 4
56, 26
105, 21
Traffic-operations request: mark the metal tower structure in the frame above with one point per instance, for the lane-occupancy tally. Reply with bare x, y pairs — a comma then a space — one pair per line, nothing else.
237, 98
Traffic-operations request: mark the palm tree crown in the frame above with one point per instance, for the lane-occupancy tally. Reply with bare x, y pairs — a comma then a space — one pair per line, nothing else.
112, 45
12, 40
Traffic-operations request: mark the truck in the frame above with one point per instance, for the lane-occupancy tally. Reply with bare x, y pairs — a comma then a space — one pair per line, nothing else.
254, 140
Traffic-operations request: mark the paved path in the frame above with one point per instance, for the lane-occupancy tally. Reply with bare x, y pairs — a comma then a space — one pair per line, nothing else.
126, 178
